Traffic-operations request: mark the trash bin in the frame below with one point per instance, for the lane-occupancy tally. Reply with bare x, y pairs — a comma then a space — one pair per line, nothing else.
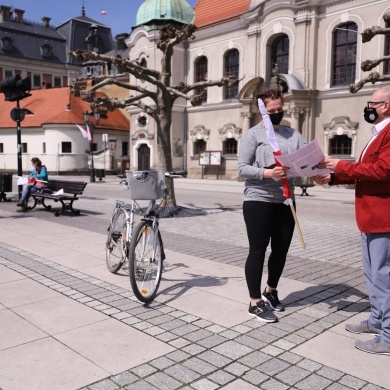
5, 185
100, 173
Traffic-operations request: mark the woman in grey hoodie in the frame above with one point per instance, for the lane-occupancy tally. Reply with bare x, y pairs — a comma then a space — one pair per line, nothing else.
267, 217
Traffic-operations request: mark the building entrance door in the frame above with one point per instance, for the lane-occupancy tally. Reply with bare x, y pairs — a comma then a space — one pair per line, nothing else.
143, 158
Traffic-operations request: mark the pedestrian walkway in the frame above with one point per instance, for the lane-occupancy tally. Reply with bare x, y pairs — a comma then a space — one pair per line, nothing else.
67, 323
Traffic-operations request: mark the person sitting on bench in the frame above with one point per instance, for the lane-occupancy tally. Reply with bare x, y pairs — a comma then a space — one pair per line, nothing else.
37, 180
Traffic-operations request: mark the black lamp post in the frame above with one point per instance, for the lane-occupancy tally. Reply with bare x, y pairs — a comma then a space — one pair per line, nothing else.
15, 88
96, 114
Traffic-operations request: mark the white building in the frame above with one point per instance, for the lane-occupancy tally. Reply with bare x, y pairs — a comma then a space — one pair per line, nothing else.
49, 131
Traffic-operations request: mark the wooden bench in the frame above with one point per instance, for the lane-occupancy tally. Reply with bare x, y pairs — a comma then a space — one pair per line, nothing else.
71, 190
304, 183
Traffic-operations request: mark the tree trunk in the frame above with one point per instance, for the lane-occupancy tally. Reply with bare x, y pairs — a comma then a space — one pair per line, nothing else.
164, 121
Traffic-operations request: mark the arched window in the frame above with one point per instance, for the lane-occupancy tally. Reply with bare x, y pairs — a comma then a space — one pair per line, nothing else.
199, 146
340, 145
386, 64
344, 54
231, 68
279, 53
230, 146
143, 63
201, 74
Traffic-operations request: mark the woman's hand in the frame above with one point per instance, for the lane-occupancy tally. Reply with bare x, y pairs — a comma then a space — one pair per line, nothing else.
275, 173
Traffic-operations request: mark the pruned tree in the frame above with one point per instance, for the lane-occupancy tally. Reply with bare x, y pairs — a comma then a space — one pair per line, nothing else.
163, 96
367, 35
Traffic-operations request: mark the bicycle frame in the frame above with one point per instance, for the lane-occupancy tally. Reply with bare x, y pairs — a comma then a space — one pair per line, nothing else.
119, 235
141, 243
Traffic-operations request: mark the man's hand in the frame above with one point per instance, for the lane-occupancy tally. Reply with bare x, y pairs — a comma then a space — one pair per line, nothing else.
321, 180
329, 163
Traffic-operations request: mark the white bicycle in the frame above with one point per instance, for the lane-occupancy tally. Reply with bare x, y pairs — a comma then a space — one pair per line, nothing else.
141, 244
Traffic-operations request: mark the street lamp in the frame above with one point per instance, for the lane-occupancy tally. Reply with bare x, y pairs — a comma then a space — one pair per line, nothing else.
15, 88
96, 114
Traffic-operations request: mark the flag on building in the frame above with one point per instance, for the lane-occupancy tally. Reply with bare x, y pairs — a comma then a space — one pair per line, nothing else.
83, 131
89, 134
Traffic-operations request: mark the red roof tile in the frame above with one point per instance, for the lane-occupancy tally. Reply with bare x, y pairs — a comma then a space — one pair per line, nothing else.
57, 106
213, 12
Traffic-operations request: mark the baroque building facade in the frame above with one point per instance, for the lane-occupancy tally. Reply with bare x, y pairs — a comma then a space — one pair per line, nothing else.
312, 47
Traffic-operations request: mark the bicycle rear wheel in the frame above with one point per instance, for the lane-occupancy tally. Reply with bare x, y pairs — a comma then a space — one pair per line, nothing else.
145, 270
116, 245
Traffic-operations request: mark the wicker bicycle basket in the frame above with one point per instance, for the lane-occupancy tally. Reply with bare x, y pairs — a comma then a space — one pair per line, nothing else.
146, 185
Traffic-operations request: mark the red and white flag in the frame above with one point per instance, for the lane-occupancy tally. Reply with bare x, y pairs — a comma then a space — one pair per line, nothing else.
102, 12
83, 131
89, 134
269, 129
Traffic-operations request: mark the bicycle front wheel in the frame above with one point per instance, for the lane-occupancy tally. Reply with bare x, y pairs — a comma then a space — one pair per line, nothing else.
145, 261
116, 245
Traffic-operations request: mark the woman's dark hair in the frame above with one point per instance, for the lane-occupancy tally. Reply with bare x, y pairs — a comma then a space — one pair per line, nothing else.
36, 160
270, 94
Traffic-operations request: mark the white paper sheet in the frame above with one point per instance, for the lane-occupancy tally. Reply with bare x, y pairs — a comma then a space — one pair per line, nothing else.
59, 192
22, 180
304, 162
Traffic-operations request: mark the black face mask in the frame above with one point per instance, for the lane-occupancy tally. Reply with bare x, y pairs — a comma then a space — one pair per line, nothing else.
276, 118
370, 114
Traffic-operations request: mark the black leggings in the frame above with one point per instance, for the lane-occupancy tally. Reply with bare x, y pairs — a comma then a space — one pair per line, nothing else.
264, 222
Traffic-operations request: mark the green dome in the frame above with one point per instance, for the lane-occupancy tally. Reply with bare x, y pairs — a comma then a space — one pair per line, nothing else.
176, 10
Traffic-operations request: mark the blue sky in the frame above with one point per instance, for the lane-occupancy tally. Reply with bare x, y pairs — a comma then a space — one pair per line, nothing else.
121, 14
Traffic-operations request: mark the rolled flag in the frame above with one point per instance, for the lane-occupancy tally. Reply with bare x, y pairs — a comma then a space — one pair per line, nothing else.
269, 129
83, 131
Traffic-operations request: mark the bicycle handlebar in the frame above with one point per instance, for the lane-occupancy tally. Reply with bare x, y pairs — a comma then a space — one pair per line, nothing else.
173, 174
182, 173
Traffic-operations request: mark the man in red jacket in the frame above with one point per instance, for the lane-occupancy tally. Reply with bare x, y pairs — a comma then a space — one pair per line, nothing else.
371, 176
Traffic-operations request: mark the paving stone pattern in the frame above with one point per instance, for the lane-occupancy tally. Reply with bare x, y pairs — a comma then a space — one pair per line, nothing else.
207, 355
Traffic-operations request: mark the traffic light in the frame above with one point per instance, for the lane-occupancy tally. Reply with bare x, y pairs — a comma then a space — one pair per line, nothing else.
15, 88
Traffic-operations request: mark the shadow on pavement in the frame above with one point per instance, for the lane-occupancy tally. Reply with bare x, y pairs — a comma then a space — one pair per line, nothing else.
176, 290
336, 299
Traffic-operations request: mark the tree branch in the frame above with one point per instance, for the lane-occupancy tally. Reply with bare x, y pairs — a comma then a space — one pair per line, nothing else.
373, 77
228, 81
176, 93
371, 64
131, 87
171, 36
123, 65
371, 32
113, 103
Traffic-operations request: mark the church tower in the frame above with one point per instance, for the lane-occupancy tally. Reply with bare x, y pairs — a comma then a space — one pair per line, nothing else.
142, 45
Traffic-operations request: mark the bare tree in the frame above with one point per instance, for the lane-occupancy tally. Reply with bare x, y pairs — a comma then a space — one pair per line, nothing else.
373, 77
163, 97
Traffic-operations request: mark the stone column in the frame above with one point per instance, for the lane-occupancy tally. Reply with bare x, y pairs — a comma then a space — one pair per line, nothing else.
246, 121
295, 112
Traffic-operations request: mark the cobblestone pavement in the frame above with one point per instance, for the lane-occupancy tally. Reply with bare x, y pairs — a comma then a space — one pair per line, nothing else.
204, 354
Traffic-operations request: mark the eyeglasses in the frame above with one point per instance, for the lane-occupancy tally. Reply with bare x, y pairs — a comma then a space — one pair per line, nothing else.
374, 103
